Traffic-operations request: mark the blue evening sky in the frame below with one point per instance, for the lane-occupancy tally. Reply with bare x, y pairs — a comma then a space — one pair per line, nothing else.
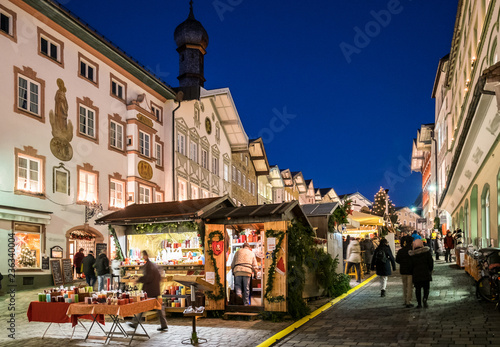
347, 94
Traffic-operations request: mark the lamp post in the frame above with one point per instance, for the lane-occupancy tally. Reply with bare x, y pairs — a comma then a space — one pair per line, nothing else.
91, 209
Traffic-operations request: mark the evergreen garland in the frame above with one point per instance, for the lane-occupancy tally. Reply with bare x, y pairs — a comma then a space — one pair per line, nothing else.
210, 294
150, 228
119, 252
280, 235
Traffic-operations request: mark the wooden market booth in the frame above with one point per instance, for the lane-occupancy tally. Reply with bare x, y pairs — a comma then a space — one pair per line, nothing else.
170, 232
250, 224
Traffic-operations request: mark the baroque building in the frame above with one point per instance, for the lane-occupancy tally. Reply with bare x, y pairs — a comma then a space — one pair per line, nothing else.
467, 125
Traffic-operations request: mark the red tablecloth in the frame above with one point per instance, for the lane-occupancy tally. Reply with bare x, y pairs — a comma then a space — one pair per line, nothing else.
55, 312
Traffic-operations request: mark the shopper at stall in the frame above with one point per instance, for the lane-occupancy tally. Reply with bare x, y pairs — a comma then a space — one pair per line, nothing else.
382, 261
449, 244
404, 260
243, 265
102, 268
88, 268
77, 262
421, 266
150, 280
367, 248
354, 258
345, 243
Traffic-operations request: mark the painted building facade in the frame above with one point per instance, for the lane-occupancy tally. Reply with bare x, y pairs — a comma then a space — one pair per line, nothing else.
95, 131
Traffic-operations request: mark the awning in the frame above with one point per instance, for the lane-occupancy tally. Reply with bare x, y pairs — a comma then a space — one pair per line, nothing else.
172, 211
19, 214
366, 218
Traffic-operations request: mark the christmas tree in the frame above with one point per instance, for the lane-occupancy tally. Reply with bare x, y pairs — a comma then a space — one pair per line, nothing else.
26, 258
379, 205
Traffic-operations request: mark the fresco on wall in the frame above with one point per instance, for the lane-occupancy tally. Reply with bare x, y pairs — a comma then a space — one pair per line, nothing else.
62, 128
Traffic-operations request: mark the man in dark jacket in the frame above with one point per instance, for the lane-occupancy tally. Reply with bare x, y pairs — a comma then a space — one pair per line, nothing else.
421, 266
449, 244
77, 262
367, 248
382, 261
404, 260
102, 268
88, 268
151, 285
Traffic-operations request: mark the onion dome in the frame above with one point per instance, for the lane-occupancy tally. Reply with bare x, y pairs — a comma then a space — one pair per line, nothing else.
191, 31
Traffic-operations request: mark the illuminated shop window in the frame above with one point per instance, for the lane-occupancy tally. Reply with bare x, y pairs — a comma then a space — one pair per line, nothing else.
28, 245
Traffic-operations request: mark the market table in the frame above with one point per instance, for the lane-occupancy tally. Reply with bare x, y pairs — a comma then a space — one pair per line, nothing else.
55, 312
115, 312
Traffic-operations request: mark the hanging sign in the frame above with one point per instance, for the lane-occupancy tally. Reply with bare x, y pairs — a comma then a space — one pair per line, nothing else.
217, 247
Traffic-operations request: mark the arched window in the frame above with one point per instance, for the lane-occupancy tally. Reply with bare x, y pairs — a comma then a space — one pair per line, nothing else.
461, 220
485, 214
473, 215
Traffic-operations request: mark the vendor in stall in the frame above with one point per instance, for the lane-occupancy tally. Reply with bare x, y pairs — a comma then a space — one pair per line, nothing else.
151, 285
243, 265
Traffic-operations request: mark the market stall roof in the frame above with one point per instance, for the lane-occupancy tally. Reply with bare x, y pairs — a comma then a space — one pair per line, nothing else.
172, 211
320, 209
366, 218
257, 214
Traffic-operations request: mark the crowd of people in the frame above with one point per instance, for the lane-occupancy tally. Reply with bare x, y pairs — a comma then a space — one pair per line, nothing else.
415, 259
90, 266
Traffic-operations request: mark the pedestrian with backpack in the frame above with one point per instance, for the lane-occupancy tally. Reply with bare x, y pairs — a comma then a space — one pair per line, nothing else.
382, 262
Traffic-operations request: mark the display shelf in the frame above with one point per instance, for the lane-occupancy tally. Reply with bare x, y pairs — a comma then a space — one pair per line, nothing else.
180, 266
176, 296
242, 243
175, 309
256, 289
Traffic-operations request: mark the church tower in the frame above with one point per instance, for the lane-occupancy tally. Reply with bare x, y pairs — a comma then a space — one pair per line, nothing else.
192, 40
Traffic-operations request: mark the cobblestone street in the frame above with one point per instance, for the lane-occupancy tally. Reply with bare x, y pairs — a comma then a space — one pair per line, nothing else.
218, 332
454, 317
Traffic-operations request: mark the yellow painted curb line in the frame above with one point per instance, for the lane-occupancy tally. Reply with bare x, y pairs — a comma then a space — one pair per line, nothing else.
307, 318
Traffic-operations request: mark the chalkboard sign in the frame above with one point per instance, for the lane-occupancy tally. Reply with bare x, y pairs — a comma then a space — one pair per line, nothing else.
45, 263
99, 247
56, 272
67, 268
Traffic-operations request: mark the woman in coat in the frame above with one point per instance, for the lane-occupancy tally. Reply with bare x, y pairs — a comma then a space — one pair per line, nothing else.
421, 266
368, 248
382, 262
404, 260
354, 258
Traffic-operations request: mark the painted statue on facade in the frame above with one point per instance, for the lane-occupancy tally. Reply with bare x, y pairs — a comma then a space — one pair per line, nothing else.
62, 128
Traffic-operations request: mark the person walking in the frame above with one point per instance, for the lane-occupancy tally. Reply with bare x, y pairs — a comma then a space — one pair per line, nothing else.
432, 243
403, 259
88, 268
102, 268
421, 266
439, 245
77, 262
382, 261
354, 258
243, 265
449, 244
150, 280
368, 248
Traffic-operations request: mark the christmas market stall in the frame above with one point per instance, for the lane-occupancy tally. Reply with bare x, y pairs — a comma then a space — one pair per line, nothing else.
172, 234
267, 228
319, 215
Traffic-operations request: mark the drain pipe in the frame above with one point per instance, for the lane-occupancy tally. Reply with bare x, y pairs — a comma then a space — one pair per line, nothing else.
178, 98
